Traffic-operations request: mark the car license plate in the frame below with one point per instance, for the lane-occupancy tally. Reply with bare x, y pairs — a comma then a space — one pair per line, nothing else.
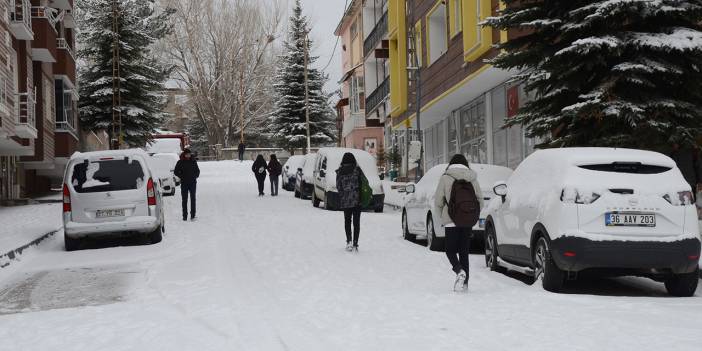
623, 219
109, 213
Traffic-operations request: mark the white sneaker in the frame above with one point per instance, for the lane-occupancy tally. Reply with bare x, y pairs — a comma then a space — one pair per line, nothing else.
461, 284
349, 247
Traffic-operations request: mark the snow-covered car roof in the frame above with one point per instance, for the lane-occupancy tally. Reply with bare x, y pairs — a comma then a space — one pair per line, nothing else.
109, 153
295, 162
365, 160
487, 175
597, 155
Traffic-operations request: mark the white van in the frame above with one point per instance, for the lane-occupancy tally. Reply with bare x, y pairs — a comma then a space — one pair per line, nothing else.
325, 166
163, 166
110, 193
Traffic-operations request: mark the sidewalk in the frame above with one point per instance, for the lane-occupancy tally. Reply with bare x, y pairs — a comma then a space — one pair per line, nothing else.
23, 226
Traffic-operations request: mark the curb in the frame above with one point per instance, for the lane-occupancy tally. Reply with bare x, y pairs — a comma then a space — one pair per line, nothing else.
14, 254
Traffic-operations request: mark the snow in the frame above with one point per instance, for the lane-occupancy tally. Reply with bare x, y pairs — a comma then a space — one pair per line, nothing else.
235, 281
24, 224
308, 168
167, 145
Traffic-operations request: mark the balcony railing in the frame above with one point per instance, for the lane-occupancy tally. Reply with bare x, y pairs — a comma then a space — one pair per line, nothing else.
26, 115
62, 44
378, 95
376, 35
353, 122
47, 13
21, 19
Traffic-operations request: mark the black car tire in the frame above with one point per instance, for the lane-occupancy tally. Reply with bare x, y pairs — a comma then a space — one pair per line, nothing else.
682, 285
433, 243
552, 278
156, 236
71, 244
405, 229
491, 254
315, 202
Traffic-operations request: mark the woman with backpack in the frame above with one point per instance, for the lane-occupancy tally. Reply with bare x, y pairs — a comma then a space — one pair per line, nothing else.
353, 189
275, 169
259, 169
458, 199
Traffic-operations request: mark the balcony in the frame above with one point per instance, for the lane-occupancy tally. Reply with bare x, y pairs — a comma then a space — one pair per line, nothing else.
378, 96
65, 60
21, 19
353, 122
44, 26
68, 20
26, 112
61, 4
376, 35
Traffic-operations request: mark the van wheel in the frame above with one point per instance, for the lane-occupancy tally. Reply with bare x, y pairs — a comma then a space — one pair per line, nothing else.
71, 244
156, 236
405, 229
491, 255
552, 278
327, 205
315, 202
682, 285
297, 194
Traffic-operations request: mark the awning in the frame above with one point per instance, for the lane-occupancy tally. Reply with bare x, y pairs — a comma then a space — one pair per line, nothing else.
349, 73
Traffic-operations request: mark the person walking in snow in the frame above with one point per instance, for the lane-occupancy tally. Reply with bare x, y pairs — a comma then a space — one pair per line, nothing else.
187, 170
350, 183
275, 169
259, 169
241, 149
458, 200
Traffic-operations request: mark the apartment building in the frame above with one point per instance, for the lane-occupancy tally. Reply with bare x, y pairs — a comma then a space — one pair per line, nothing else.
39, 125
464, 101
359, 129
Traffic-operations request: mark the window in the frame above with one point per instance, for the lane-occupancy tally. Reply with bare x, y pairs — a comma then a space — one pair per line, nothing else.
107, 175
437, 32
354, 30
418, 50
477, 40
473, 140
456, 16
356, 101
627, 167
452, 135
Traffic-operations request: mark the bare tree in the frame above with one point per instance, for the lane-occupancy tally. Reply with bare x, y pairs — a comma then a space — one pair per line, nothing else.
223, 52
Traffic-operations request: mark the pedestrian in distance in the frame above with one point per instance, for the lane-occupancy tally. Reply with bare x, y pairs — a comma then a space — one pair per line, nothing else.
458, 200
354, 193
242, 150
687, 159
187, 170
259, 169
275, 169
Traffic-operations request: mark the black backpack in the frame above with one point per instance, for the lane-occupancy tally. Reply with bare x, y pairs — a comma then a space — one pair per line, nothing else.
463, 206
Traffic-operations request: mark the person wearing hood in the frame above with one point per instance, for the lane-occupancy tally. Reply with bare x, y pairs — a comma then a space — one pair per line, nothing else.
349, 180
187, 170
259, 169
275, 169
457, 216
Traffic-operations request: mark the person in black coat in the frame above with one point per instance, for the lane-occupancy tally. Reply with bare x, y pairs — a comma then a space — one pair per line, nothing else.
187, 170
348, 184
688, 161
241, 149
275, 169
259, 169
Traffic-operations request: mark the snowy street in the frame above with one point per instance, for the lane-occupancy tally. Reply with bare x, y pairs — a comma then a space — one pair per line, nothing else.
272, 274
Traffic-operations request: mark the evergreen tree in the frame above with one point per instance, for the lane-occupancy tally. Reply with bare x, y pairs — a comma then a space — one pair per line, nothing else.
607, 72
288, 122
141, 75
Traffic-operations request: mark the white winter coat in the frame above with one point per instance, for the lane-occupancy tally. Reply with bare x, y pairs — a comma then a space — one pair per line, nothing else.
443, 191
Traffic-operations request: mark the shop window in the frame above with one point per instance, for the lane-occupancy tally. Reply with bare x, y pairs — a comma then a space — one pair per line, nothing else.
437, 32
473, 140
452, 137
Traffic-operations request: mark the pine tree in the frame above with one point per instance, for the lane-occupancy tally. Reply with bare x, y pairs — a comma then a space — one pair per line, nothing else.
607, 73
141, 75
288, 122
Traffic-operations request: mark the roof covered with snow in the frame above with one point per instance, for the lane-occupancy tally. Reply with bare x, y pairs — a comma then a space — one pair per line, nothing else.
595, 155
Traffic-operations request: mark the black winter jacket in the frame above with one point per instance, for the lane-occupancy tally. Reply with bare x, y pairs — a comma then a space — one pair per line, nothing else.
187, 171
348, 184
259, 168
275, 169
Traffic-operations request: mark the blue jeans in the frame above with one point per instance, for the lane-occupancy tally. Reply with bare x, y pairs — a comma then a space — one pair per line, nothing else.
190, 188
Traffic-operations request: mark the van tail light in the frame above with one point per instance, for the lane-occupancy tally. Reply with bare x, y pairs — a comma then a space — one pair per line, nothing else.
682, 198
151, 192
66, 199
574, 196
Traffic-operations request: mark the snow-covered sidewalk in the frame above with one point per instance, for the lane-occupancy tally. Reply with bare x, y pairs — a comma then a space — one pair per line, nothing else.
23, 224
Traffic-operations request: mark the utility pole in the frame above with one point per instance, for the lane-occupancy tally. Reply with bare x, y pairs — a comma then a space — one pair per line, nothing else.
116, 142
307, 93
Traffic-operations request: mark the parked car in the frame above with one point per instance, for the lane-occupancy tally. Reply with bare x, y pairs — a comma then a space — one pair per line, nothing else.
328, 161
418, 213
290, 171
615, 211
304, 182
108, 193
163, 167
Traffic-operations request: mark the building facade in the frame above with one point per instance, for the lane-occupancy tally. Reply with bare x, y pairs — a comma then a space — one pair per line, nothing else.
39, 121
464, 102
359, 130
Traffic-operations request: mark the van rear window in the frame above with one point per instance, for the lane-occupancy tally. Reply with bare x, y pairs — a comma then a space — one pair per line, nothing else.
107, 175
627, 167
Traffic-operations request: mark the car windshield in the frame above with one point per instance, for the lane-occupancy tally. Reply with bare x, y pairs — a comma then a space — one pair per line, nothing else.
627, 167
107, 175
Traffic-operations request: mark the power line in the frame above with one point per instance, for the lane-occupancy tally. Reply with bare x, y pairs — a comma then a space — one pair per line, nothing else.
336, 45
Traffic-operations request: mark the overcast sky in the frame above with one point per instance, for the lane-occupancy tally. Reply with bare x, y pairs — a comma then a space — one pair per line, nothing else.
324, 16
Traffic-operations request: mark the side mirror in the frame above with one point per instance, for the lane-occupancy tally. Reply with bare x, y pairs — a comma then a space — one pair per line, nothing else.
500, 189
410, 189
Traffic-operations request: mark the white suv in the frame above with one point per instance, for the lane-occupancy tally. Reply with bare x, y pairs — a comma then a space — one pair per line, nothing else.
614, 211
109, 193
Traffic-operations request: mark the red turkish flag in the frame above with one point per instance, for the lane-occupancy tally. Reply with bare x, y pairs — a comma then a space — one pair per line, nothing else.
512, 101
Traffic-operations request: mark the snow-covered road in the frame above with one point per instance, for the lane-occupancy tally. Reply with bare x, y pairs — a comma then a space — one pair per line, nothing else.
272, 274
